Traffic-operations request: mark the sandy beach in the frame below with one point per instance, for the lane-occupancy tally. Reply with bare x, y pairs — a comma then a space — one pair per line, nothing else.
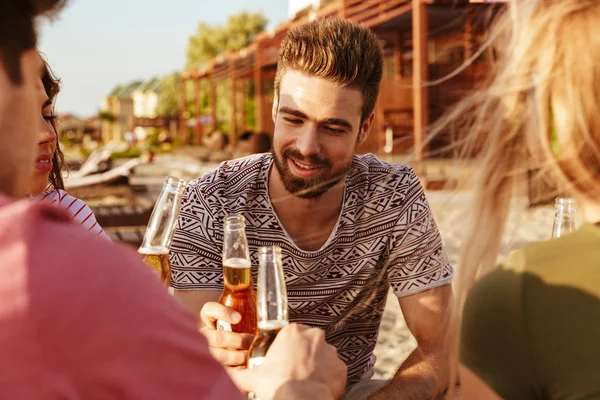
451, 212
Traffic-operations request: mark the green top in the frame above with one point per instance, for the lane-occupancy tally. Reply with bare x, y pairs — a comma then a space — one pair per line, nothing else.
531, 329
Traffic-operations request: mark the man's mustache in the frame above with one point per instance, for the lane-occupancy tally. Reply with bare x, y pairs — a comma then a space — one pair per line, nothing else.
312, 159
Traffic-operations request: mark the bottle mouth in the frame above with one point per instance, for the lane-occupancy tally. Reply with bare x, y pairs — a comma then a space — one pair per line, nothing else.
234, 221
566, 202
175, 184
269, 252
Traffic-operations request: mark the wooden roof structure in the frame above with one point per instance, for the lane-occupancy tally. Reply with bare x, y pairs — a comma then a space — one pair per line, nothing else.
257, 62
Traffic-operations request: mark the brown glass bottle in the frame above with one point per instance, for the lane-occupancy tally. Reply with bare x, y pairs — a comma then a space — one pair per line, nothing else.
238, 286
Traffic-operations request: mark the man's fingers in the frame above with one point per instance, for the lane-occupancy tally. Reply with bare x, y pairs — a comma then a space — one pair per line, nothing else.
213, 311
229, 358
228, 340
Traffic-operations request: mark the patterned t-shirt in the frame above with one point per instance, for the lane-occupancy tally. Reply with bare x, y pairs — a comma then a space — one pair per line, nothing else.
385, 236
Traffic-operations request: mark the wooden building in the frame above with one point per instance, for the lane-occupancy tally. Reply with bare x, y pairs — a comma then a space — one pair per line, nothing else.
425, 41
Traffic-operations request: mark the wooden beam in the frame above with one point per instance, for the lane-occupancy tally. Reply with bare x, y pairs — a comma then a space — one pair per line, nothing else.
213, 102
183, 107
398, 55
233, 133
243, 84
258, 91
420, 75
387, 15
197, 107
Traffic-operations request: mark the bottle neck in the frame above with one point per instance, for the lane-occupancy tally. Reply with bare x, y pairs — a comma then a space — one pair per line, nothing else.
271, 292
565, 209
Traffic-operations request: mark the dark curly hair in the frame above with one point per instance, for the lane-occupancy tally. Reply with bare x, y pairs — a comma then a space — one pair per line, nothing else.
52, 87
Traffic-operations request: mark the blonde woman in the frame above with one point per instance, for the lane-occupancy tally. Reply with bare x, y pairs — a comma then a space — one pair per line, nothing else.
531, 328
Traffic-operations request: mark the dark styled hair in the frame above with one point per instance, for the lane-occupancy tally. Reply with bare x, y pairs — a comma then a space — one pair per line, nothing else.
338, 50
17, 30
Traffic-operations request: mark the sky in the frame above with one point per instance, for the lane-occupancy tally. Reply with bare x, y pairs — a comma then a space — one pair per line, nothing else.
95, 45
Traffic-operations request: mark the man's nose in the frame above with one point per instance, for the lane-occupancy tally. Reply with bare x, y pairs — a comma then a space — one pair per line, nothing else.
309, 143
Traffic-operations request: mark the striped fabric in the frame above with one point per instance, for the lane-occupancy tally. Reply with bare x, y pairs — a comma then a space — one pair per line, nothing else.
386, 236
76, 208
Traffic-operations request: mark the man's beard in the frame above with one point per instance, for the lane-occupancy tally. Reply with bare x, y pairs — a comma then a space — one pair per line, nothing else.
311, 188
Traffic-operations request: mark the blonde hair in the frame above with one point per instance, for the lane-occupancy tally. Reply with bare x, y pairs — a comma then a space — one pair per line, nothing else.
539, 111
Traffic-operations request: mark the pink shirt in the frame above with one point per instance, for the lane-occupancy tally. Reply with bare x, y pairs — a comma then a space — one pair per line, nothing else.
83, 318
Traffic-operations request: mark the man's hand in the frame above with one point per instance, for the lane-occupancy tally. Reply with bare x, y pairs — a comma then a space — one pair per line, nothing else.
229, 348
299, 362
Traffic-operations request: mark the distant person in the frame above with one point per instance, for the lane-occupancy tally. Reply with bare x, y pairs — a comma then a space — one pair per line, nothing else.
217, 143
244, 146
261, 143
531, 328
47, 185
252, 143
84, 318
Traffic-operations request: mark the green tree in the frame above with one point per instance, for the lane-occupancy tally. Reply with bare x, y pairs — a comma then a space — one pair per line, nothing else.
210, 41
241, 29
169, 95
207, 43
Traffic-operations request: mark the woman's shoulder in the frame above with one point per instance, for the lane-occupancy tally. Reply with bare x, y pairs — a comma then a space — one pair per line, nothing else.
561, 260
73, 205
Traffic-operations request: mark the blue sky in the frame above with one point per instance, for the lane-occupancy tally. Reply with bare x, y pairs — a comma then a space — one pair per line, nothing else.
97, 44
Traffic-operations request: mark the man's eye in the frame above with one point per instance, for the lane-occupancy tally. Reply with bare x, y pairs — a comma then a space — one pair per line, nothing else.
333, 130
50, 117
293, 121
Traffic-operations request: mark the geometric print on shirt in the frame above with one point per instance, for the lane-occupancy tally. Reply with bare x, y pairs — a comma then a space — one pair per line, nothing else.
385, 235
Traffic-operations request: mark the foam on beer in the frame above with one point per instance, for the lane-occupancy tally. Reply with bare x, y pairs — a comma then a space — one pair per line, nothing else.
237, 263
153, 251
272, 325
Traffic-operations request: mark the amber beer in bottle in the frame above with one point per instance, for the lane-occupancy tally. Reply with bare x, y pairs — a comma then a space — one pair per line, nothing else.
238, 286
272, 304
159, 233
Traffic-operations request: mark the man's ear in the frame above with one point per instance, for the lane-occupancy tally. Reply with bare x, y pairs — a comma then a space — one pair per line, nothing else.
275, 108
365, 129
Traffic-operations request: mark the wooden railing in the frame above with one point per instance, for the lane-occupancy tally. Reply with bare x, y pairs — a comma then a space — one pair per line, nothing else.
374, 12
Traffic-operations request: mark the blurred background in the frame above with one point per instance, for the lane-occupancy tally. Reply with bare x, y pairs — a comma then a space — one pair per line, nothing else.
177, 87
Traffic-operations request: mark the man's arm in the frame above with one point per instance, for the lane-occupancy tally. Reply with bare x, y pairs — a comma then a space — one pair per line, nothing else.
130, 344
424, 375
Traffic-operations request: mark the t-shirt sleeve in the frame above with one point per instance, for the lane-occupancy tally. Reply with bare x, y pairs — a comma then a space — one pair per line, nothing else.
196, 259
117, 334
417, 260
80, 212
493, 342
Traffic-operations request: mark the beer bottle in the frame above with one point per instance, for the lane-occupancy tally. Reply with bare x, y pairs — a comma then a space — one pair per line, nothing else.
565, 218
238, 286
161, 227
272, 304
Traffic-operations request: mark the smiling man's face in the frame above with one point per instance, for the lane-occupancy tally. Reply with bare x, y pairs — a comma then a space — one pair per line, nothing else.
317, 129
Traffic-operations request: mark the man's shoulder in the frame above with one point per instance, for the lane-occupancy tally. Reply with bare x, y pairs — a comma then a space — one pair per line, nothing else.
382, 176
232, 175
50, 243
